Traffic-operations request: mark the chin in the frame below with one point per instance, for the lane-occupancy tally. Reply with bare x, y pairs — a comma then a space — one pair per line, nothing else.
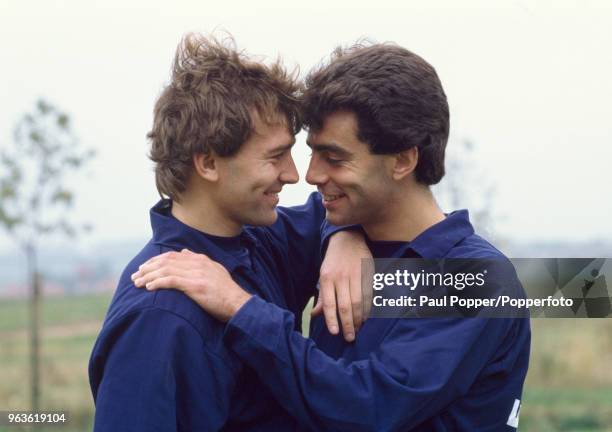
272, 218
337, 219
266, 218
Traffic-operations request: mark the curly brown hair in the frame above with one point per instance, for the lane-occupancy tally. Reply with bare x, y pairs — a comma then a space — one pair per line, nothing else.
396, 96
209, 104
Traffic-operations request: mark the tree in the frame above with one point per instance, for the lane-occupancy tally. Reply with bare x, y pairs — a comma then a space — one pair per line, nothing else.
35, 199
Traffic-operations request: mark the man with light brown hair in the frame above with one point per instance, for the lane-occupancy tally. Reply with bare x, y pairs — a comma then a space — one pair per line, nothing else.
221, 141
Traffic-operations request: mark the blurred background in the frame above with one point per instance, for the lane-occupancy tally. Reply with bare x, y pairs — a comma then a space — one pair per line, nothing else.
528, 85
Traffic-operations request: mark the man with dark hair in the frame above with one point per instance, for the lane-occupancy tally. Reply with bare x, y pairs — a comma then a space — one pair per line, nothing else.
221, 142
395, 110
378, 124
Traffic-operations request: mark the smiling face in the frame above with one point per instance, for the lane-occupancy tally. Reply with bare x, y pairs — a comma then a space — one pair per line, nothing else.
356, 185
249, 182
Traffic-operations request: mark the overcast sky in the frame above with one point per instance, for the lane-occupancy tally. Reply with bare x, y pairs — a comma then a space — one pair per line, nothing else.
528, 82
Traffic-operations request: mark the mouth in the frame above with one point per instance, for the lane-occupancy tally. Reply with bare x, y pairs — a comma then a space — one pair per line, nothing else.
272, 196
328, 198
332, 202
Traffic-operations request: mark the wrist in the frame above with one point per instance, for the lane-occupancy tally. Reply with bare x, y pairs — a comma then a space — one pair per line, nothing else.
344, 239
236, 303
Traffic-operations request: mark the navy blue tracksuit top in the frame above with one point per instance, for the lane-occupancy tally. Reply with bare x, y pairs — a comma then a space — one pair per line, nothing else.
160, 364
434, 375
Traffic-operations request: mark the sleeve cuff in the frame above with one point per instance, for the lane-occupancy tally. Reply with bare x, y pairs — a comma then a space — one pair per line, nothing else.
256, 326
328, 230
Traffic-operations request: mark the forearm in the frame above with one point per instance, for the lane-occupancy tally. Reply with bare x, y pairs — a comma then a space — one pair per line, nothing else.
265, 348
383, 392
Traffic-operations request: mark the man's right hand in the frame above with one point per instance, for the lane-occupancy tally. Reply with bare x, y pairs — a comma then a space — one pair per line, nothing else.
340, 284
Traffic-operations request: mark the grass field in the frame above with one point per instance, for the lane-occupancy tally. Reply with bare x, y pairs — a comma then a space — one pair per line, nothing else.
569, 386
70, 325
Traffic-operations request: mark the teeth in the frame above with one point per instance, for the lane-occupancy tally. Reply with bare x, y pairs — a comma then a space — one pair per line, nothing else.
331, 197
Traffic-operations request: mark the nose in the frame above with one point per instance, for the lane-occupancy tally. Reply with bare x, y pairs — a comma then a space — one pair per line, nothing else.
316, 174
289, 174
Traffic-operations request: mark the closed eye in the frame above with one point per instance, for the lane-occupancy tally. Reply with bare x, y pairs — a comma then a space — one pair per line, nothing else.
328, 159
333, 161
280, 155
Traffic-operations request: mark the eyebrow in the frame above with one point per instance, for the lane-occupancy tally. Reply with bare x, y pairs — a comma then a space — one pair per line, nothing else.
280, 149
329, 147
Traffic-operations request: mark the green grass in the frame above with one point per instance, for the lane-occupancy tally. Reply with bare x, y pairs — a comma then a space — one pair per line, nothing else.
69, 329
569, 383
559, 409
14, 314
568, 388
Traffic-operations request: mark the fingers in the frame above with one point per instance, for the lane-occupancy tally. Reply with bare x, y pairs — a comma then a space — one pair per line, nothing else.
153, 264
176, 282
318, 309
345, 310
162, 273
327, 294
183, 260
356, 299
160, 267
367, 278
326, 304
165, 256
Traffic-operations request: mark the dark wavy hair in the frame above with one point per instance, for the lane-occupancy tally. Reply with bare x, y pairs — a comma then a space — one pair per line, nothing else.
396, 96
209, 105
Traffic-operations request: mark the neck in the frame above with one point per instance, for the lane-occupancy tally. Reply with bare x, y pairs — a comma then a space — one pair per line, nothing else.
198, 211
407, 215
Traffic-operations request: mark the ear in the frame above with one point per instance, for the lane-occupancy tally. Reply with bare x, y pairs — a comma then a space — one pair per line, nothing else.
206, 166
405, 163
